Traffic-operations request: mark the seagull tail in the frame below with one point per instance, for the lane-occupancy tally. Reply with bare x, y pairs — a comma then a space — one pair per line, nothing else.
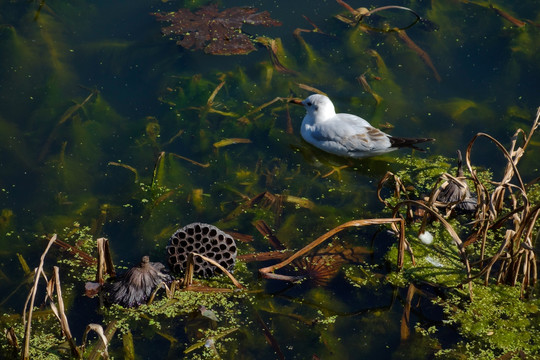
399, 142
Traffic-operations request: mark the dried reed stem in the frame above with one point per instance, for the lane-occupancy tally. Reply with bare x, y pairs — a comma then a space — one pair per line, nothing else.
354, 223
31, 298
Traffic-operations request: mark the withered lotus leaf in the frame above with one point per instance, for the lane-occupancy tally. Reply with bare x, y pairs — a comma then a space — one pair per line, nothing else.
215, 32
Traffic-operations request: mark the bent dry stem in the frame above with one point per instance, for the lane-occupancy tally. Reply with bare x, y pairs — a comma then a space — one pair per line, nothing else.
504, 215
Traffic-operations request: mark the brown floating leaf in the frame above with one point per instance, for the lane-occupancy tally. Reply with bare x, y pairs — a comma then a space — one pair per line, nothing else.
319, 270
217, 33
323, 265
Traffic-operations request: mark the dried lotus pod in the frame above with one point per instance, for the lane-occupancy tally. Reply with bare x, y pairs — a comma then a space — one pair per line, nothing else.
456, 191
203, 239
135, 286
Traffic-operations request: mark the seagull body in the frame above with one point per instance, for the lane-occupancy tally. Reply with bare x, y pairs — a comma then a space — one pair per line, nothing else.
346, 134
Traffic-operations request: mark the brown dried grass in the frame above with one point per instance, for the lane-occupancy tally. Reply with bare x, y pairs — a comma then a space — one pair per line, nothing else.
54, 287
506, 206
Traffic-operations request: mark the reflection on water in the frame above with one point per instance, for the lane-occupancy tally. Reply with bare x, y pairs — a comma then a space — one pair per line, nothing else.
108, 124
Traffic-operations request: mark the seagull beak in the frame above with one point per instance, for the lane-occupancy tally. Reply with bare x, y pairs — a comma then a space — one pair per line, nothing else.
297, 102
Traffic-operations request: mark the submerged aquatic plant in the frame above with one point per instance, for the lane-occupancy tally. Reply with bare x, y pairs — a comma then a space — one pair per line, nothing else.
496, 325
215, 32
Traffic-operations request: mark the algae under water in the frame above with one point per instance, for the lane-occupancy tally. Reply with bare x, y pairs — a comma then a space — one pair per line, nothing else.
109, 129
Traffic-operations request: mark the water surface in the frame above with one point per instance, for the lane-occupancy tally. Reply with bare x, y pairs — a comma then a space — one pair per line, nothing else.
142, 90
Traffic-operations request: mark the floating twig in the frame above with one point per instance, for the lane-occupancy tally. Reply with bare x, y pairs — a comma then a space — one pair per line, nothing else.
245, 118
239, 236
268, 234
267, 271
429, 25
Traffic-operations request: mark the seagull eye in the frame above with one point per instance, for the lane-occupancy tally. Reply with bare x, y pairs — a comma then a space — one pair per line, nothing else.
308, 104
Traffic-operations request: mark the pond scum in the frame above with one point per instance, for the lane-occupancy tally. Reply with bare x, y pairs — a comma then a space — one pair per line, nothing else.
478, 266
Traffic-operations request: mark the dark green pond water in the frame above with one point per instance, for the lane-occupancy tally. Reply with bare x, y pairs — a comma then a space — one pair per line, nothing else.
86, 86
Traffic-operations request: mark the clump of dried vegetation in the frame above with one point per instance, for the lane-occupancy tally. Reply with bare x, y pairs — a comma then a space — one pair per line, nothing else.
502, 216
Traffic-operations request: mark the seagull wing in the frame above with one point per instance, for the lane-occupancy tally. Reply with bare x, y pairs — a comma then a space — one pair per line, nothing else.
350, 135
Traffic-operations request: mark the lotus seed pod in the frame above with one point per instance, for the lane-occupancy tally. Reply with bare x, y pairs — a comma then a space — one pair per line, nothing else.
203, 239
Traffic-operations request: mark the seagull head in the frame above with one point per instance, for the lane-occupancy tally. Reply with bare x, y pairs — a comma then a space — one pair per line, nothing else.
319, 107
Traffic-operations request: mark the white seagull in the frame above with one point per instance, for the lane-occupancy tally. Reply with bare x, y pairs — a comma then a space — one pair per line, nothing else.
346, 134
